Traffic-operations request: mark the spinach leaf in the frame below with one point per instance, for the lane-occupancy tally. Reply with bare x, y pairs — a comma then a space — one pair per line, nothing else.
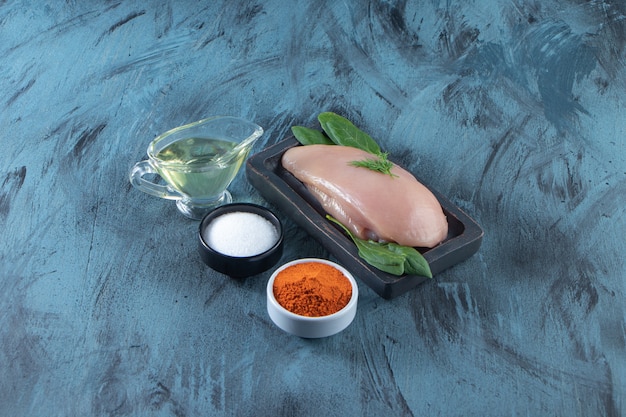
414, 262
342, 132
389, 257
307, 136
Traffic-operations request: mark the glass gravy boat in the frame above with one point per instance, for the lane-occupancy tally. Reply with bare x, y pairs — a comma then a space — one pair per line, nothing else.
197, 161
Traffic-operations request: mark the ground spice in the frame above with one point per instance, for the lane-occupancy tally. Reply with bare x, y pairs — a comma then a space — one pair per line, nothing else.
312, 289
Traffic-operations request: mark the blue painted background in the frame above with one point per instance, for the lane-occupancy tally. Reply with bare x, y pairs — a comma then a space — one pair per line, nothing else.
512, 109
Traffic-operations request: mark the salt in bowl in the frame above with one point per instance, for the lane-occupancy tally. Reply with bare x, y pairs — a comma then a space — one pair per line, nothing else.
311, 327
240, 239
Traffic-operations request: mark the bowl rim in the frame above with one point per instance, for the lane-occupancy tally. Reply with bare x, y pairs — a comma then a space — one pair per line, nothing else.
241, 207
345, 310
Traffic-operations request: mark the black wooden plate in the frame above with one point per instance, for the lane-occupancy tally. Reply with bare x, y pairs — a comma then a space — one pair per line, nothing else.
266, 173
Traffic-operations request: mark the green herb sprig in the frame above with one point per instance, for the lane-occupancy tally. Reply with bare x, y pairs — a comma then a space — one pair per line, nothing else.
380, 163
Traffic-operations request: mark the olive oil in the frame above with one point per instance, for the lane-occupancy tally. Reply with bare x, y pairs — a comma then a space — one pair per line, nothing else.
195, 163
200, 167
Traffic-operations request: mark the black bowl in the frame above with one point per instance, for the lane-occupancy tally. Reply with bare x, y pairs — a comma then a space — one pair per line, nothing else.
240, 266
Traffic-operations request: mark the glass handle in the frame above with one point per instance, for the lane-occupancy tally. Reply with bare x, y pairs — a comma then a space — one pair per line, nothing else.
138, 181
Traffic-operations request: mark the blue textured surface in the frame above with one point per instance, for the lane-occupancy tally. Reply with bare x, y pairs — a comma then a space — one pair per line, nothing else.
514, 110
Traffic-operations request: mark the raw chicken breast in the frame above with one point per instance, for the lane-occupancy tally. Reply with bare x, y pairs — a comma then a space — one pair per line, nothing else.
372, 205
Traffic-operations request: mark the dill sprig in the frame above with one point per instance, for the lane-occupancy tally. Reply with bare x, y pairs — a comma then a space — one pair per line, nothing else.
380, 163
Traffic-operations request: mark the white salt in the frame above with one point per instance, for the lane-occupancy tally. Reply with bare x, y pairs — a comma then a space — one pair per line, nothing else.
240, 234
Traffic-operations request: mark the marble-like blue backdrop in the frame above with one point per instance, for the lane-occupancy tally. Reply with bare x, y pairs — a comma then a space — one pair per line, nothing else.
512, 109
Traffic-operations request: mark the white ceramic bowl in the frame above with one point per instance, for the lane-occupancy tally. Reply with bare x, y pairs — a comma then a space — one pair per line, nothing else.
311, 327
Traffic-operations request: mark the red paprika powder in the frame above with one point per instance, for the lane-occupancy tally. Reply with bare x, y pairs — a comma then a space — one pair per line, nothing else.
312, 289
